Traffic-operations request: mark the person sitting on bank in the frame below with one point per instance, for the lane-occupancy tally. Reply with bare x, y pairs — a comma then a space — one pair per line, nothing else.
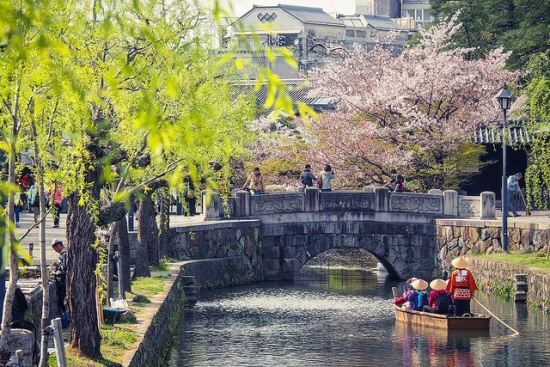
396, 183
461, 286
255, 182
19, 305
418, 297
439, 301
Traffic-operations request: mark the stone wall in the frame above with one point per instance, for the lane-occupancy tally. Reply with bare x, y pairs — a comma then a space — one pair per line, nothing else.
460, 237
223, 272
491, 275
404, 243
217, 240
156, 341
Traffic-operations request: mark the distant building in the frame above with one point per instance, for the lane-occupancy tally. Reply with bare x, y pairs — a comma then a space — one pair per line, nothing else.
312, 35
417, 10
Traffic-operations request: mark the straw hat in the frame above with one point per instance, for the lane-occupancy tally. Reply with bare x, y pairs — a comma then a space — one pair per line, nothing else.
438, 284
410, 280
460, 263
420, 284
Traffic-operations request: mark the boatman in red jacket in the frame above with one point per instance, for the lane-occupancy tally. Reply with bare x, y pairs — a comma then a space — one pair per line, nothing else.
461, 286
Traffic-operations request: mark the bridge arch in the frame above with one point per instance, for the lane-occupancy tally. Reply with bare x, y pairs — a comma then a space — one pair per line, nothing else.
405, 244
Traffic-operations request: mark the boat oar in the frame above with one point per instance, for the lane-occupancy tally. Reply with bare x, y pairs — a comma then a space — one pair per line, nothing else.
394, 291
492, 314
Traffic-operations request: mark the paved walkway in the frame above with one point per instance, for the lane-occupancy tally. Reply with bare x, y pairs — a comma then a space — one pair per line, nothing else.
27, 219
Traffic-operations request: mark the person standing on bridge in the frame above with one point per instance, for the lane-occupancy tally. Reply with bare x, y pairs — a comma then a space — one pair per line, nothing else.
325, 177
461, 286
307, 177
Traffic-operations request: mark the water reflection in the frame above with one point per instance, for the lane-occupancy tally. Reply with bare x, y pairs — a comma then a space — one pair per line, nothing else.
335, 317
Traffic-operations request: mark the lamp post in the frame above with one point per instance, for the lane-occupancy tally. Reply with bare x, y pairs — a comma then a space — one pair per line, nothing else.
504, 98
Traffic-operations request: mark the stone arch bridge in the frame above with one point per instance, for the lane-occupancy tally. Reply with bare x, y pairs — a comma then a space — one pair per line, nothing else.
278, 233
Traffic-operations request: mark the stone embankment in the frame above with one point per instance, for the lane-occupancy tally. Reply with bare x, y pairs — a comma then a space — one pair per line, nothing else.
494, 276
463, 237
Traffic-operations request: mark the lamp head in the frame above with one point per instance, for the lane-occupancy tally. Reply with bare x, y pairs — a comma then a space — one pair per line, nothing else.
504, 98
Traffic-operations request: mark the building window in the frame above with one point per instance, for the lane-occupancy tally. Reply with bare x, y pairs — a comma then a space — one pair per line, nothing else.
267, 18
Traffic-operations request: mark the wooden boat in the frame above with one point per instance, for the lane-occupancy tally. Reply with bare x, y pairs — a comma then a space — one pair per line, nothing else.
445, 322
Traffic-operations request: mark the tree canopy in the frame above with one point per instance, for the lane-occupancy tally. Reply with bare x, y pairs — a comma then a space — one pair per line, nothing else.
412, 110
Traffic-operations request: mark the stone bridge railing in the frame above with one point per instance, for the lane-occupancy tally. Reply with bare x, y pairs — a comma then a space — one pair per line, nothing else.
435, 203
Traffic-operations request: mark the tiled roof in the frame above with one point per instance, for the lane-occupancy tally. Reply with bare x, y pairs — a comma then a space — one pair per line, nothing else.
517, 135
297, 91
310, 15
380, 22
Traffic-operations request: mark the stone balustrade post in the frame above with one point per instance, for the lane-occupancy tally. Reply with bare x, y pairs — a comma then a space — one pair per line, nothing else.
242, 204
312, 199
450, 203
435, 192
381, 199
487, 202
211, 205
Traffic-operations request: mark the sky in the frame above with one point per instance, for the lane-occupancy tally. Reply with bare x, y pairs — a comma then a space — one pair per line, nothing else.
341, 6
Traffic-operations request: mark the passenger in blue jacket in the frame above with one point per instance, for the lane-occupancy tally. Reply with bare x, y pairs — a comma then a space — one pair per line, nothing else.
418, 297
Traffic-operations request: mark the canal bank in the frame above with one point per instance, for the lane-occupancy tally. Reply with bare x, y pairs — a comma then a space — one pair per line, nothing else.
158, 321
244, 240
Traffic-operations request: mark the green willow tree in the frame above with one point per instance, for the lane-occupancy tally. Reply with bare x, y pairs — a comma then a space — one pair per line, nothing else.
144, 90
126, 94
23, 78
538, 93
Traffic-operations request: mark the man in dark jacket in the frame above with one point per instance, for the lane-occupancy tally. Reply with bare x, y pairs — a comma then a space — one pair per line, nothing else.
59, 273
307, 177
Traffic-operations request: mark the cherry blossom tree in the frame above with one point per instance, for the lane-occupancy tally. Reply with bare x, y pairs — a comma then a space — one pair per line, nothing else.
412, 109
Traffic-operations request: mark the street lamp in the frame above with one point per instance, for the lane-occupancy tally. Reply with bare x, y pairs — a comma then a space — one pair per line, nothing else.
504, 98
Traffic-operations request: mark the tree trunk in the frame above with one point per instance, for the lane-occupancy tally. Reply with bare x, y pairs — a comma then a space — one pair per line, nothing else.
81, 280
110, 259
121, 234
164, 225
148, 231
43, 267
142, 258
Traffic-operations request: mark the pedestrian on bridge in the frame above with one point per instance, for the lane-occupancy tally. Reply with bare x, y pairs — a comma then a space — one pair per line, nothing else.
307, 177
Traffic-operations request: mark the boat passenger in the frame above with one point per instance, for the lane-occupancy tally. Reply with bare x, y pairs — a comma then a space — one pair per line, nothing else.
418, 297
461, 286
406, 290
439, 301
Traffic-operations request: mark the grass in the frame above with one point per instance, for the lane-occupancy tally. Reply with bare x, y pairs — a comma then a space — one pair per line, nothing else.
116, 339
147, 286
532, 259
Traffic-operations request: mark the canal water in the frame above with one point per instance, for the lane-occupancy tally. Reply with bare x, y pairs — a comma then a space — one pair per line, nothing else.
343, 317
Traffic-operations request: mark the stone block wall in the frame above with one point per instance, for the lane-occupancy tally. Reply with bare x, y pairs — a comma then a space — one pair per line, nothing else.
223, 272
217, 240
491, 275
156, 341
457, 238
